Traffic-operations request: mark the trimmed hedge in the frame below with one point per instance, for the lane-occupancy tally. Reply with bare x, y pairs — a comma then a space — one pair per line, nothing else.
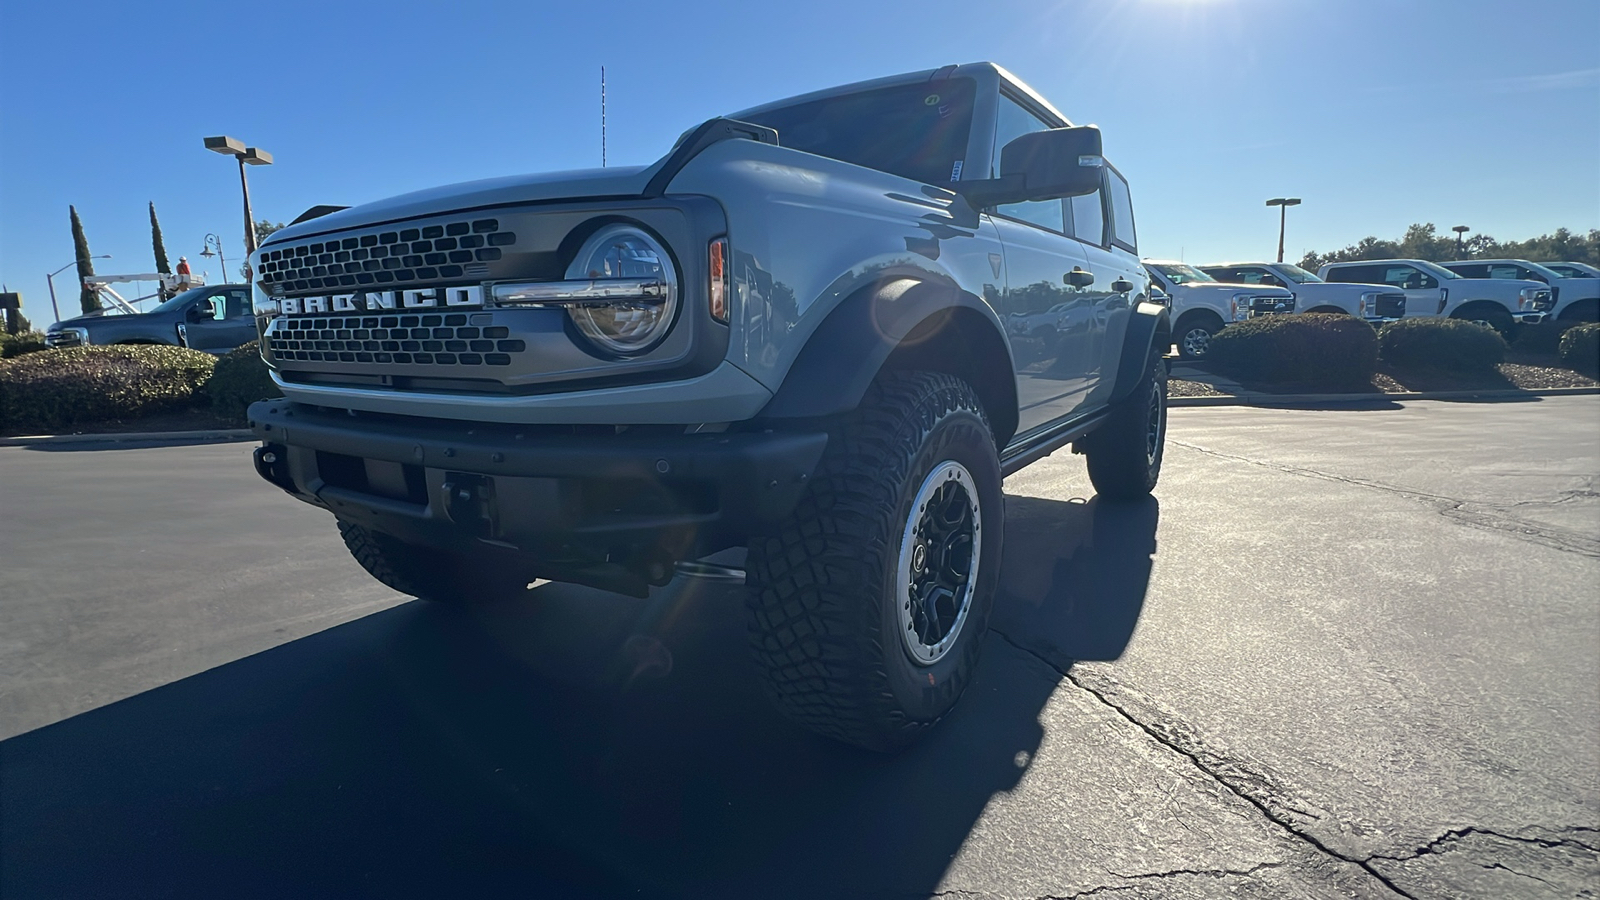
18, 344
1453, 344
56, 389
1580, 349
241, 378
1307, 348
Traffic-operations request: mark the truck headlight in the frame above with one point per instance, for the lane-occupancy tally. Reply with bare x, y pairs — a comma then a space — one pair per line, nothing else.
627, 324
1369, 304
1241, 307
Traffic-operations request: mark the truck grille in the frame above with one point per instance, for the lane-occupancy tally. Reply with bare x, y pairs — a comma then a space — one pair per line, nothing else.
1391, 306
62, 339
1265, 304
429, 253
429, 340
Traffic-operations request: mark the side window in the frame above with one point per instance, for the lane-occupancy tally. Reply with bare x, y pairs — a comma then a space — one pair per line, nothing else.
1407, 278
1089, 218
230, 305
1472, 271
1228, 276
1013, 122
1528, 274
1357, 274
1122, 233
1506, 272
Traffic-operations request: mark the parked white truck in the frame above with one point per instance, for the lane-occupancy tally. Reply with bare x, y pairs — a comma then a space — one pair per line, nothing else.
1432, 290
1201, 306
1376, 303
1577, 297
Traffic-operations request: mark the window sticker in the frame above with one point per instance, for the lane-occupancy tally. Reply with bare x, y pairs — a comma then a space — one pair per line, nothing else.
955, 171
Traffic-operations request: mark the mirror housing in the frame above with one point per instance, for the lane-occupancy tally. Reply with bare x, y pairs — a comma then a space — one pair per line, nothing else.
1042, 165
200, 312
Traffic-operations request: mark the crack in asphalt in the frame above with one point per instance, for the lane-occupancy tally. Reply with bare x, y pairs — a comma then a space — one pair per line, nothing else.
1450, 507
1456, 835
1214, 773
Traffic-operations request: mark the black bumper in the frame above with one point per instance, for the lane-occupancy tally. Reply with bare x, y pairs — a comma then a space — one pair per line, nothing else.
570, 497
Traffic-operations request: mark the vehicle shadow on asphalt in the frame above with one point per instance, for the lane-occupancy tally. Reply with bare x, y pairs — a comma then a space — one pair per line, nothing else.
91, 444
535, 748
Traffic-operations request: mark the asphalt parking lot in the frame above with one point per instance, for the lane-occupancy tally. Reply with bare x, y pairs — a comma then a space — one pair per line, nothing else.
1345, 652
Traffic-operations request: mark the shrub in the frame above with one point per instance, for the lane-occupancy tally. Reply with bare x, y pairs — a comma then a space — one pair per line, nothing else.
18, 344
56, 389
240, 379
1454, 344
1307, 348
1580, 348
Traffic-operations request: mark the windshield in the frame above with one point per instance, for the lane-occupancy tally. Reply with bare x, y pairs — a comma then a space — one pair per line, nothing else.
181, 299
917, 131
1296, 274
1178, 273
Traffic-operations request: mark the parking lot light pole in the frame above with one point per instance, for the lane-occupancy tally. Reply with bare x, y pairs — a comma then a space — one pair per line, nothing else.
1460, 230
254, 156
214, 241
1283, 204
51, 280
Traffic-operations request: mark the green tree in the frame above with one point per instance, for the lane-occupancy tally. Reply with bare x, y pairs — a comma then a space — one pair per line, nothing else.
265, 228
1423, 241
88, 298
160, 246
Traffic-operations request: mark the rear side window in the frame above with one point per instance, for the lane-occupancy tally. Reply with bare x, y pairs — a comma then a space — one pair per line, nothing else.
1473, 271
1089, 218
1407, 278
1122, 233
1358, 274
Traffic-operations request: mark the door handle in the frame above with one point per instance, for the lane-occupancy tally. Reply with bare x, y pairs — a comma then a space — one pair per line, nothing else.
1078, 277
1122, 285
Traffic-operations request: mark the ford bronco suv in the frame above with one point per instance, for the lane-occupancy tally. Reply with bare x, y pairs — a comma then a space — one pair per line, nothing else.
790, 335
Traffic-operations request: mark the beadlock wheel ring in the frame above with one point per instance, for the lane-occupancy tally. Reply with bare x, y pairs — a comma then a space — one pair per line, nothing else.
940, 550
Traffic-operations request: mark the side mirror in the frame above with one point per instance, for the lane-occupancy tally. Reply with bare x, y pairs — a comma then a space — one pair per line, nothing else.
202, 311
1043, 165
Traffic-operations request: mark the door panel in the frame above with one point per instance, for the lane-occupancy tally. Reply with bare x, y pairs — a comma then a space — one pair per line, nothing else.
1050, 323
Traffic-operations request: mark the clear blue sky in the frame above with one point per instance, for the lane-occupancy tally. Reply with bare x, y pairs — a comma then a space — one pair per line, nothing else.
1378, 113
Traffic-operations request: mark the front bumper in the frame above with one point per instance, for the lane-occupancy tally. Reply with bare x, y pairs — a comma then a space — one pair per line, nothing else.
573, 499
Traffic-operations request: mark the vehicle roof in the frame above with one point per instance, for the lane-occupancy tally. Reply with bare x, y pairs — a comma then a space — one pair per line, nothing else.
1475, 261
980, 70
1248, 262
1374, 262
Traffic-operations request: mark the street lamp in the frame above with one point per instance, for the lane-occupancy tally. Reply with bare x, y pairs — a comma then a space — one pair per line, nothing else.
51, 279
214, 241
1283, 204
255, 157
1460, 230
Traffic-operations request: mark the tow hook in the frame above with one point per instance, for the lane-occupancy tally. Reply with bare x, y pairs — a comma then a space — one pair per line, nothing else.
469, 502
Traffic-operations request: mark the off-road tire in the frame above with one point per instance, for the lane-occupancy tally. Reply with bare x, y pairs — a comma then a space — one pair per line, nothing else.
1209, 322
431, 574
824, 600
1124, 454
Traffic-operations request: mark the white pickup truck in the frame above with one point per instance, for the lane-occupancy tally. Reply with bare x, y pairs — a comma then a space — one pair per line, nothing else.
1432, 290
1577, 297
1377, 303
1201, 306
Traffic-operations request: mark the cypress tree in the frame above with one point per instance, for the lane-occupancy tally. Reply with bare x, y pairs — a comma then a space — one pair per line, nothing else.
88, 298
160, 246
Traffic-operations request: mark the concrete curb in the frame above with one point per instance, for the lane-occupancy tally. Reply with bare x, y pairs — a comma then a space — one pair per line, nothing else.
1260, 399
217, 435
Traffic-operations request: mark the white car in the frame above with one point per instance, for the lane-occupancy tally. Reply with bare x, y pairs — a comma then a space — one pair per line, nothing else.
1377, 303
1432, 290
1201, 306
1577, 297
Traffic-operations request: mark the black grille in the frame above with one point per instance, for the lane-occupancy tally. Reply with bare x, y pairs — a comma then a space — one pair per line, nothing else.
390, 257
1267, 304
428, 340
1391, 306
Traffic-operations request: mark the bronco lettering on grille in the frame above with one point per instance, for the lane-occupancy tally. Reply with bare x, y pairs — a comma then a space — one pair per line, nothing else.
417, 298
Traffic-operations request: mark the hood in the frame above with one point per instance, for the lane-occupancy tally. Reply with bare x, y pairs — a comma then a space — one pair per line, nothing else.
581, 184
89, 320
1220, 287
1346, 287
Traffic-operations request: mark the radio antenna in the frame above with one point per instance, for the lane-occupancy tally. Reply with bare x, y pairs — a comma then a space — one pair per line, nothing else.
602, 117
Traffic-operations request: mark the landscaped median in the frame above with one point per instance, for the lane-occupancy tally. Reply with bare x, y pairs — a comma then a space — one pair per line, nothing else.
1323, 355
130, 387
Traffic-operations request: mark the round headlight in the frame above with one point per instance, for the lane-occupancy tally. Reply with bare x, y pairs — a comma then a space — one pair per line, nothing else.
631, 258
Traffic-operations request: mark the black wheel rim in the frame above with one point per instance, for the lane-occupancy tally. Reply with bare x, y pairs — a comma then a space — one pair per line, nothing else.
938, 565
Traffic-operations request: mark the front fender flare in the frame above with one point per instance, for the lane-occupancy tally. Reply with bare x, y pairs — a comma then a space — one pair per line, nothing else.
1149, 323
